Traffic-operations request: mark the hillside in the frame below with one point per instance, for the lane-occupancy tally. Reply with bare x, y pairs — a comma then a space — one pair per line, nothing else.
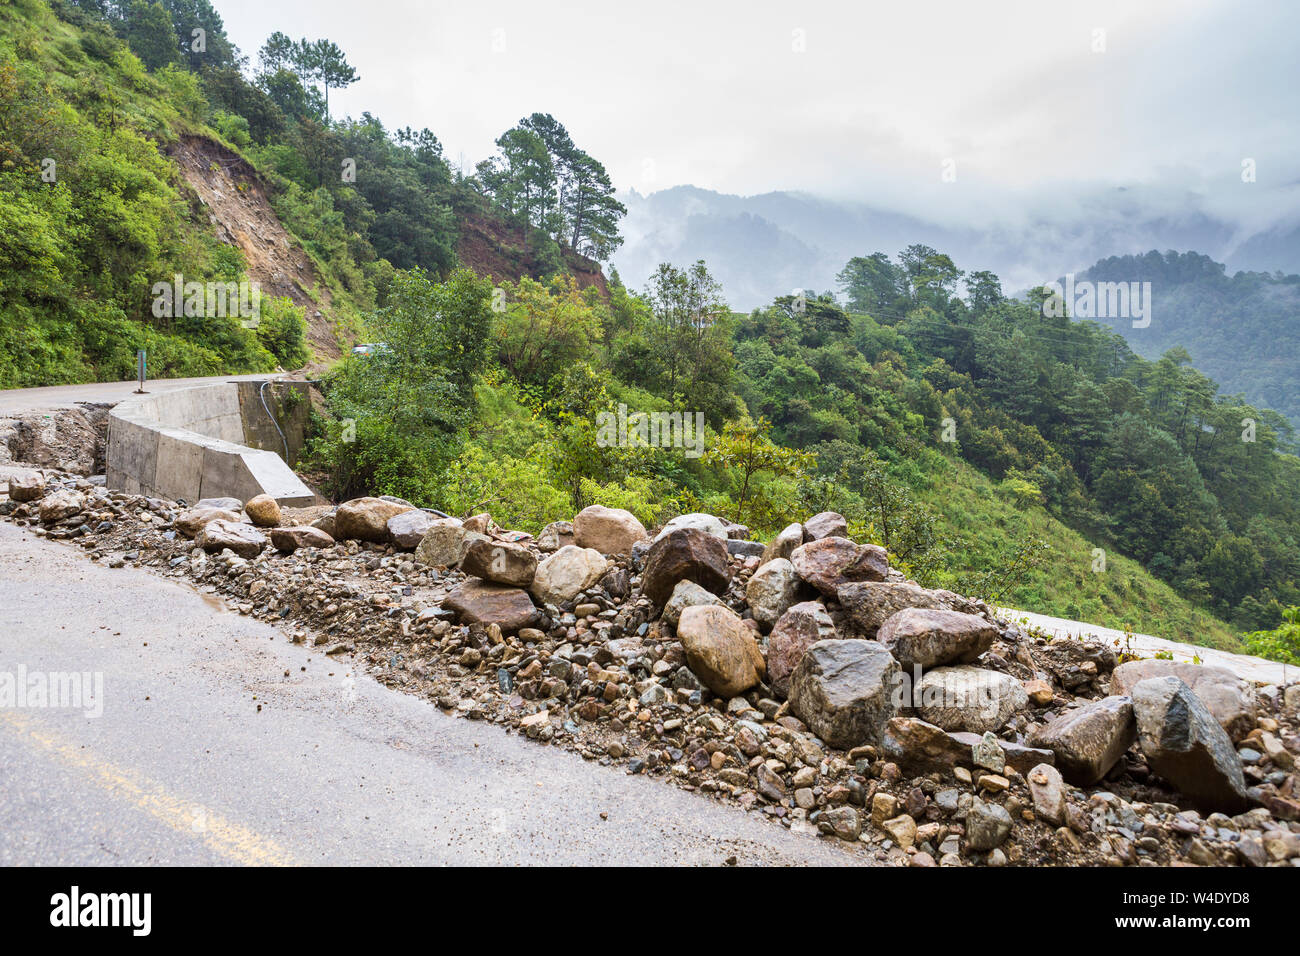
990, 448
1242, 330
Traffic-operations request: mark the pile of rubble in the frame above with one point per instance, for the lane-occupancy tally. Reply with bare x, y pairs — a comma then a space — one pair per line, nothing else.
803, 679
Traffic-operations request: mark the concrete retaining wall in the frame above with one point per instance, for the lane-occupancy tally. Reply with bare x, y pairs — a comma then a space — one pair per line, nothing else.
186, 444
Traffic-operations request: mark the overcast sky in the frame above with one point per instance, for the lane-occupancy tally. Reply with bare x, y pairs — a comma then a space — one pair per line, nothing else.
1030, 101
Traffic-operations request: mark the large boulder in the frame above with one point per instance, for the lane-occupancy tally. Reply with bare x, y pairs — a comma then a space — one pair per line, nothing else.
1089, 740
1230, 699
783, 545
481, 602
407, 530
827, 524
26, 486
556, 535
499, 562
563, 575
868, 604
687, 594
289, 540
846, 691
442, 544
798, 629
190, 523
720, 649
697, 520
830, 562
968, 698
263, 511
772, 589
1184, 743
607, 530
922, 747
61, 504
366, 519
928, 637
685, 554
243, 539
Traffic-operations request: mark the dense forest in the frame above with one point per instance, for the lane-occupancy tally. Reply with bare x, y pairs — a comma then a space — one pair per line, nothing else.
1242, 330
1033, 460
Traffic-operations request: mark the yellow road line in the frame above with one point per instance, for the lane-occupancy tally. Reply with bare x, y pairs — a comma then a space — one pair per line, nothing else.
231, 840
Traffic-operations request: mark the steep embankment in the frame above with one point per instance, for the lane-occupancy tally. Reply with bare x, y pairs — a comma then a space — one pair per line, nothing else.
491, 247
239, 210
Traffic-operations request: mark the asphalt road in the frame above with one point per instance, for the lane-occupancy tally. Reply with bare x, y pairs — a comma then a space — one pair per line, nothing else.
16, 400
183, 768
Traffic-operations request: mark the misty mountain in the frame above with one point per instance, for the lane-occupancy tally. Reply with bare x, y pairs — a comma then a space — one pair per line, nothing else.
767, 245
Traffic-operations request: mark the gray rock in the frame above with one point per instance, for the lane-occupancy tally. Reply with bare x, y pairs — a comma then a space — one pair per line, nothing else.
555, 536
561, 576
1185, 744
868, 604
243, 539
827, 524
1089, 740
783, 545
987, 826
771, 591
1048, 791
845, 691
739, 547
1225, 695
223, 504
927, 638
442, 544
687, 594
409, 528
709, 524
968, 698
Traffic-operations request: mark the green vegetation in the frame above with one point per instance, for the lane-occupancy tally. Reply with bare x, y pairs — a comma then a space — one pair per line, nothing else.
1220, 320
994, 449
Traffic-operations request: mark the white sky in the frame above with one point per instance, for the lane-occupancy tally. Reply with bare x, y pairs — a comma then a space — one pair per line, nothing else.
714, 93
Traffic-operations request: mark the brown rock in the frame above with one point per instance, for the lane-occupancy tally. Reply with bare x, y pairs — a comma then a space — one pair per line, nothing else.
499, 562
288, 540
830, 562
366, 519
797, 630
720, 650
479, 602
191, 522
925, 748
607, 530
686, 554
59, 505
263, 511
783, 545
26, 486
